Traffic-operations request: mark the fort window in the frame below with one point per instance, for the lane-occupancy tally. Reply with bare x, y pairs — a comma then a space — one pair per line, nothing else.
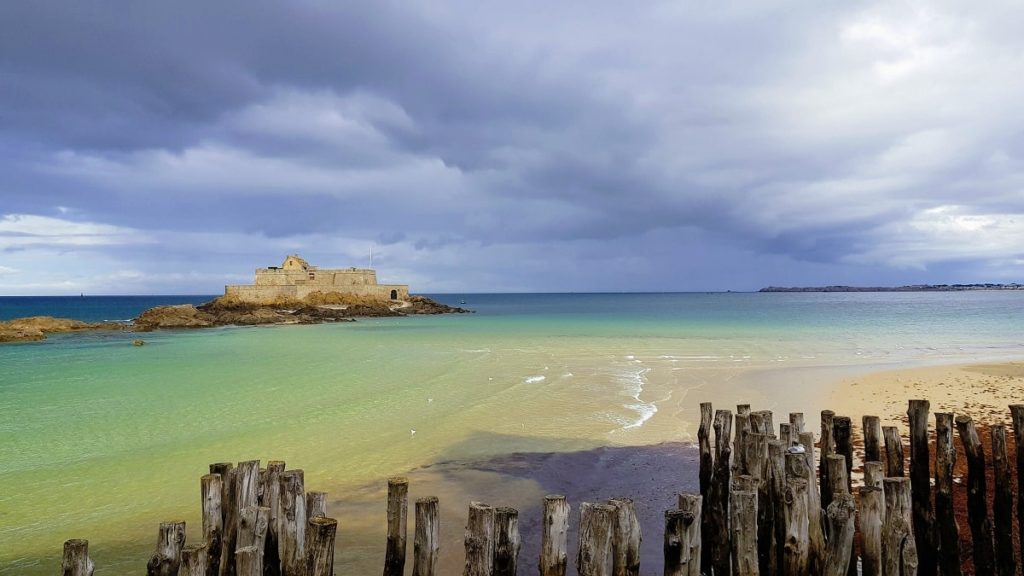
312, 275
394, 294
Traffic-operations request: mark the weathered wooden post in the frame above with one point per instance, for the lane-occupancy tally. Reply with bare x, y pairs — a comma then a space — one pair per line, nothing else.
763, 422
795, 551
506, 541
786, 433
757, 466
272, 499
743, 505
840, 516
945, 518
872, 438
1017, 414
211, 489
319, 553
717, 505
253, 522
292, 519
193, 560
626, 538
739, 441
815, 526
248, 561
244, 492
874, 473
920, 487
1002, 504
828, 448
837, 475
839, 478
554, 545
796, 420
595, 539
316, 504
899, 551
398, 510
167, 559
707, 464
977, 514
426, 541
229, 516
872, 517
776, 489
690, 505
893, 452
675, 543
76, 561
479, 540
842, 434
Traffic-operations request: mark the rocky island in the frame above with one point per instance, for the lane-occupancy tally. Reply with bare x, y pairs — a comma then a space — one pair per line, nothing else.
909, 288
293, 293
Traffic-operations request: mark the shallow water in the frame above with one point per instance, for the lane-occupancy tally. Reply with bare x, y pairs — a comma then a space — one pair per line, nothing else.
103, 440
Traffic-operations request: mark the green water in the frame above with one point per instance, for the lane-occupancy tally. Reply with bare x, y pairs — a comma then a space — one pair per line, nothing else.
103, 440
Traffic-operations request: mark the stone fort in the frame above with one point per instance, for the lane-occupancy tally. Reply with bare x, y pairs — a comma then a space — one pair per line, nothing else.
295, 278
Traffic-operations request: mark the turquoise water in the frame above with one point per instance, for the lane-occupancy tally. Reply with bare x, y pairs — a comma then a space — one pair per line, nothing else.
103, 440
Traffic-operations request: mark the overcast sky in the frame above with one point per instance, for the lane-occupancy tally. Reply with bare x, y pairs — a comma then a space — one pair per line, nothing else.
174, 147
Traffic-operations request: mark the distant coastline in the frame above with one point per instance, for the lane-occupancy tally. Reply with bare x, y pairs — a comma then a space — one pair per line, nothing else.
909, 288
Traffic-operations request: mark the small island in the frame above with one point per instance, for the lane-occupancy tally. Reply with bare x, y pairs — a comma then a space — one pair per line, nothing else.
909, 288
293, 293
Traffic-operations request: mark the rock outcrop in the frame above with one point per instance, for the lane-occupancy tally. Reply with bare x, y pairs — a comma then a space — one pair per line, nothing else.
35, 328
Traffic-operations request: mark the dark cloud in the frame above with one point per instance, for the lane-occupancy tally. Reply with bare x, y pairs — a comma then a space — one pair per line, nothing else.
876, 141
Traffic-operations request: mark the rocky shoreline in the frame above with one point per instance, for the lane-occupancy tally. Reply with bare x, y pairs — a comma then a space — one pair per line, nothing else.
224, 311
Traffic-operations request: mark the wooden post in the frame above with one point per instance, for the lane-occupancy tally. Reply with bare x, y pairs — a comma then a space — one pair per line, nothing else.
872, 517
786, 433
245, 480
1017, 414
1002, 504
248, 561
554, 545
840, 516
707, 464
717, 508
252, 527
292, 519
675, 543
762, 422
426, 541
76, 561
920, 487
316, 504
229, 517
977, 514
167, 559
796, 420
595, 539
506, 541
744, 533
828, 448
899, 551
842, 434
945, 519
795, 550
893, 452
626, 538
272, 499
211, 489
193, 560
873, 474
739, 443
743, 409
690, 505
837, 475
757, 466
776, 489
815, 528
319, 554
479, 540
872, 438
398, 510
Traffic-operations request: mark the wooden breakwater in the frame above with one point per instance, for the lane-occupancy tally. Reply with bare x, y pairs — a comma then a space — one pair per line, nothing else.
769, 504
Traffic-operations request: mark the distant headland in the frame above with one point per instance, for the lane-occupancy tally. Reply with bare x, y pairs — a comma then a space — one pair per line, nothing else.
909, 288
293, 293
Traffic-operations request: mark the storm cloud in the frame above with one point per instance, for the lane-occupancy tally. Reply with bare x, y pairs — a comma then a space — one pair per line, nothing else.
174, 147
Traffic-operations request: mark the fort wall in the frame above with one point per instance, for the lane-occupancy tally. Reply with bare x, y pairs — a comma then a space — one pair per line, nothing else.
297, 279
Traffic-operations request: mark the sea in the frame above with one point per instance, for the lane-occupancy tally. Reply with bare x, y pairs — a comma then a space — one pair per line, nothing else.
103, 440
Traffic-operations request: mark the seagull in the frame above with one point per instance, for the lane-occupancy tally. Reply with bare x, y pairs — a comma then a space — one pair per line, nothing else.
411, 433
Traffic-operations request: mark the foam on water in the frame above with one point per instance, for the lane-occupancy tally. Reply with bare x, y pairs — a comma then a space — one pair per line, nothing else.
534, 379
